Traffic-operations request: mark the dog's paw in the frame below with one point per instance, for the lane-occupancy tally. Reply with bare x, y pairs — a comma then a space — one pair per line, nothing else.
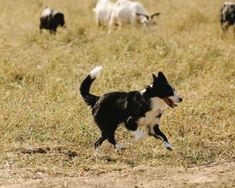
120, 146
168, 146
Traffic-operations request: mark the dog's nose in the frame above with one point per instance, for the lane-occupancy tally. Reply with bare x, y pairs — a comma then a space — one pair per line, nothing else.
180, 99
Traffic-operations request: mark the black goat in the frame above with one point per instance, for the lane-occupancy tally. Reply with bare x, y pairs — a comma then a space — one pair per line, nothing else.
227, 16
51, 19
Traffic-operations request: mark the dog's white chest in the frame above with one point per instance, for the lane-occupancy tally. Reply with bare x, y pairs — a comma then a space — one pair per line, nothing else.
152, 117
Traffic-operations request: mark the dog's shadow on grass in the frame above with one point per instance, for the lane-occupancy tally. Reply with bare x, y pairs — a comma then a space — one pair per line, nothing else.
46, 150
114, 158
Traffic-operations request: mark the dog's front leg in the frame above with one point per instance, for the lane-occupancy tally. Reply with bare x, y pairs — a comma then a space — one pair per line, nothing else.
132, 126
157, 133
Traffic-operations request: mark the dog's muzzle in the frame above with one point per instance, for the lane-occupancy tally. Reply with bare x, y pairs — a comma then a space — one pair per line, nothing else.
170, 102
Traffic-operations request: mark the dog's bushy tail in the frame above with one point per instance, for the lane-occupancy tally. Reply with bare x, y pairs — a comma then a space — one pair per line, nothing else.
86, 84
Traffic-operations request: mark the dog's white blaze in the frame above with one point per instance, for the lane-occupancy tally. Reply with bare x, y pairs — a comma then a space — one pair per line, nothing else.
138, 134
175, 98
150, 118
95, 72
46, 12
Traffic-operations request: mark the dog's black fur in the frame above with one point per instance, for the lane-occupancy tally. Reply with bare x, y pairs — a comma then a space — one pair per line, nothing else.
111, 109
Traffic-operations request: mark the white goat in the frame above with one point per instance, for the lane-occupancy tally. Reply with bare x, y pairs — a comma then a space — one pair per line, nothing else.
129, 12
103, 11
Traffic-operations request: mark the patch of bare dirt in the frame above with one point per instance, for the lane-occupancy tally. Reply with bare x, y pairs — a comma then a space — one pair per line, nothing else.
217, 175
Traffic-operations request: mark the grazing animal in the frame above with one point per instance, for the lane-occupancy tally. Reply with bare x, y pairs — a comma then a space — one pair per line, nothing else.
103, 12
227, 16
51, 19
133, 13
133, 108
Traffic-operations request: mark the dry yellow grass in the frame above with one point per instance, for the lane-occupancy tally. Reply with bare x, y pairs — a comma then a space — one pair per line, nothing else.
40, 76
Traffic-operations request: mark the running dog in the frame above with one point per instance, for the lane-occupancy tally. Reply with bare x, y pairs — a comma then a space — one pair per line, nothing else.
135, 108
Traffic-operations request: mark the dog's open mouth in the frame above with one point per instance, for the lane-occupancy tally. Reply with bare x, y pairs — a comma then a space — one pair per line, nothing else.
169, 102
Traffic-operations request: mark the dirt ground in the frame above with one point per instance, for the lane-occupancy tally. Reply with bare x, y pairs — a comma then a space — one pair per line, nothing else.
216, 175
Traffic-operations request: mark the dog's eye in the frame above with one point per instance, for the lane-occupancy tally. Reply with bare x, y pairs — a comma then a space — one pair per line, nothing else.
170, 92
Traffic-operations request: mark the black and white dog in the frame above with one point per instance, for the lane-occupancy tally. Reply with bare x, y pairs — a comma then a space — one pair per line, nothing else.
133, 108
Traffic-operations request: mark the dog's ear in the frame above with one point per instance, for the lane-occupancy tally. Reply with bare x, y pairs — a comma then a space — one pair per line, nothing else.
154, 77
162, 77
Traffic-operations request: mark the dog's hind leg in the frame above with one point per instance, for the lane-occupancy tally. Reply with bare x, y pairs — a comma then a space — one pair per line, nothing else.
132, 126
111, 139
98, 143
157, 133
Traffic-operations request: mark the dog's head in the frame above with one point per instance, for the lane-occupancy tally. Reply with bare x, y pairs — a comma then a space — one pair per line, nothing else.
162, 89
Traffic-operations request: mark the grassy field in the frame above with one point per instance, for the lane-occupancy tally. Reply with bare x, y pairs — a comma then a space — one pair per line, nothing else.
40, 75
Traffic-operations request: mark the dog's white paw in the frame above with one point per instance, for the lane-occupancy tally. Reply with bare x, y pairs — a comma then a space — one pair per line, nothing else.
119, 146
138, 134
168, 146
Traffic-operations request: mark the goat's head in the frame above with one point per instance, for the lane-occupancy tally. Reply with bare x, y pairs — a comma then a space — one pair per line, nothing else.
147, 20
59, 19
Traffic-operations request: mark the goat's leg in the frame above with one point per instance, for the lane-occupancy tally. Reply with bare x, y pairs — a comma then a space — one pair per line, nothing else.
133, 20
110, 24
